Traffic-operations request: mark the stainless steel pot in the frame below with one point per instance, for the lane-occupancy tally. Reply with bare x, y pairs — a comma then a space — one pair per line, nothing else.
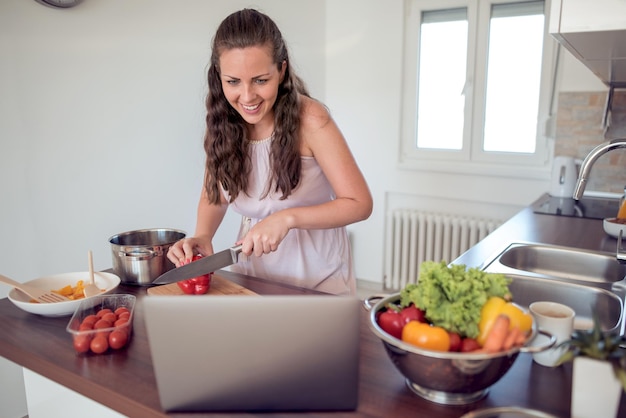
140, 256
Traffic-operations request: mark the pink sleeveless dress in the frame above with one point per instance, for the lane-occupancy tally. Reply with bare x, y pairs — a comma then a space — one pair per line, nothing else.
317, 259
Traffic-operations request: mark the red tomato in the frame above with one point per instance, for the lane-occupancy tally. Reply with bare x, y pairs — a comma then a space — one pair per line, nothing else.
121, 310
426, 336
455, 341
99, 344
391, 322
124, 315
120, 322
102, 312
102, 323
111, 317
469, 344
82, 343
118, 339
85, 326
92, 319
412, 313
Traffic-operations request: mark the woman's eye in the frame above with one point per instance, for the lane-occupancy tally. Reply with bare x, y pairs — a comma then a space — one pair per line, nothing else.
260, 81
232, 82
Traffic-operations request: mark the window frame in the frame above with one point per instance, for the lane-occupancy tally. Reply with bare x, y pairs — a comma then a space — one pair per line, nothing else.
471, 158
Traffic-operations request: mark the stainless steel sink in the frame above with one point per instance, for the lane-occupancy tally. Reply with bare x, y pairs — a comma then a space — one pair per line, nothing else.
548, 261
583, 299
587, 281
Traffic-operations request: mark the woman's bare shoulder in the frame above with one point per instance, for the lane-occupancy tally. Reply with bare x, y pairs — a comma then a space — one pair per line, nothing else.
313, 114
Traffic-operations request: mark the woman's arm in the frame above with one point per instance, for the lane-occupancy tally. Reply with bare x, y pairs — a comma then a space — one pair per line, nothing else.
321, 139
209, 218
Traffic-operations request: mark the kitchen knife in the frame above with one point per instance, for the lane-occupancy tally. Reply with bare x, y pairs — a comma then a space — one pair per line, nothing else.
202, 266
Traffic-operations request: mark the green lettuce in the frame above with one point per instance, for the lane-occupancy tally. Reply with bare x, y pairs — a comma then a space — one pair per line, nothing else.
453, 296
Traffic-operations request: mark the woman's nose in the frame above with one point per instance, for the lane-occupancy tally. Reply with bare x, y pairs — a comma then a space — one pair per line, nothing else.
248, 92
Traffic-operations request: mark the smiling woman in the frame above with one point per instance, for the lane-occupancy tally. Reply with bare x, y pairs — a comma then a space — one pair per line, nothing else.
276, 156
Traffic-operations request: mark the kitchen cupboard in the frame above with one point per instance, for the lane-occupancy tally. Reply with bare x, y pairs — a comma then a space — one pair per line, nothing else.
595, 33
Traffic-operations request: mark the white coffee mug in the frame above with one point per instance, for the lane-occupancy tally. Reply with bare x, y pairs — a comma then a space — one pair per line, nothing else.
556, 319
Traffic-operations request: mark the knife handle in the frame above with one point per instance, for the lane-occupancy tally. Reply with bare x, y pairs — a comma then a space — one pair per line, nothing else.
234, 252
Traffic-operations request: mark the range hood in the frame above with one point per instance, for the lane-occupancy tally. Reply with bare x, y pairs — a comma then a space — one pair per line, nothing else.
595, 33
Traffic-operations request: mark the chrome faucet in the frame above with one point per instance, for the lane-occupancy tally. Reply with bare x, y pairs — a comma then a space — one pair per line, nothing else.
590, 159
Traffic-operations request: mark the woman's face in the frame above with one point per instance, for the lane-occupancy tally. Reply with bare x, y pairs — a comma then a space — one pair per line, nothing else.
250, 82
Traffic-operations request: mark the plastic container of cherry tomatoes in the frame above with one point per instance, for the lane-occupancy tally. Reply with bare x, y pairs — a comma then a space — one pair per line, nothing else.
102, 324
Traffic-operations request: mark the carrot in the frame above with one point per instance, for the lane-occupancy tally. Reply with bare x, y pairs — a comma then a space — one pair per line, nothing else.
521, 339
497, 334
511, 338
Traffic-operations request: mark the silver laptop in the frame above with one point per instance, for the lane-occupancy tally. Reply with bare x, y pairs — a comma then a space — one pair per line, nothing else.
254, 353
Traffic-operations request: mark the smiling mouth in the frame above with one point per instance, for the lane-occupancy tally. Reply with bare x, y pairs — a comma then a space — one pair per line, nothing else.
251, 108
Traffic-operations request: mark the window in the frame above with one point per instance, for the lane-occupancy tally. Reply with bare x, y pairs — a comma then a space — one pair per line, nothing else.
477, 77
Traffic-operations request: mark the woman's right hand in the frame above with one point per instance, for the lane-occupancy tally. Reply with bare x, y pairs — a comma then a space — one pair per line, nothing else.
183, 251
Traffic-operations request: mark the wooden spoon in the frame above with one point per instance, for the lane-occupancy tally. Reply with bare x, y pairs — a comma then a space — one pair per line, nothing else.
91, 289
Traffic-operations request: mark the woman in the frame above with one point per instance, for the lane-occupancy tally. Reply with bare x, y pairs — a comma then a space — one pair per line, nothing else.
277, 158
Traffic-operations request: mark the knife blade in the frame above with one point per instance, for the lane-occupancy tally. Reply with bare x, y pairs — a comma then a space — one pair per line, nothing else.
202, 266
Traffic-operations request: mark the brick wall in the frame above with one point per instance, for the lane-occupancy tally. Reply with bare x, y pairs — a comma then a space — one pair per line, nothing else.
579, 129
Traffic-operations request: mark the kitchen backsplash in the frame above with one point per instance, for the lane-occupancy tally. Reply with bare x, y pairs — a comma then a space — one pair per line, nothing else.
579, 129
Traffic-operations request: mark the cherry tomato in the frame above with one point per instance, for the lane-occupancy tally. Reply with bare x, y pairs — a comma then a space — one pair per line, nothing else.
102, 323
426, 336
85, 326
455, 341
391, 322
118, 339
99, 344
103, 311
92, 319
412, 313
121, 310
120, 322
82, 343
124, 315
111, 317
469, 344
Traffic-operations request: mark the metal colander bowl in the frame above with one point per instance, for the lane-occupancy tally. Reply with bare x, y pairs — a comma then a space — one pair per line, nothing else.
449, 378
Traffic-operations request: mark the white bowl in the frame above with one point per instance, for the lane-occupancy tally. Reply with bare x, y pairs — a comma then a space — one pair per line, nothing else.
105, 281
612, 227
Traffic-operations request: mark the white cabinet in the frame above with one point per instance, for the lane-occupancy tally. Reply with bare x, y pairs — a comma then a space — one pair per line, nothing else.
595, 33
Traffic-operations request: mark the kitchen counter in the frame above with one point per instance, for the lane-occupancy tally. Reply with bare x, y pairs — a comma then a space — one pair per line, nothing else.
528, 226
124, 381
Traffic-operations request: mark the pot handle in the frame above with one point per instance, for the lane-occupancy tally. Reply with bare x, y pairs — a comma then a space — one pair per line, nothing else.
369, 302
540, 348
138, 255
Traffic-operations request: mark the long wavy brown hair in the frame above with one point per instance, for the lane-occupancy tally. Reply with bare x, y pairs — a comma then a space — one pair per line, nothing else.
226, 142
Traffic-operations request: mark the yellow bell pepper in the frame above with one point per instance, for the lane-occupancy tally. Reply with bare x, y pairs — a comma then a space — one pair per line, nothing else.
495, 306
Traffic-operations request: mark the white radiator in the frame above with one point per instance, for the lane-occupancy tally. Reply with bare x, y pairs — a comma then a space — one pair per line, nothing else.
415, 236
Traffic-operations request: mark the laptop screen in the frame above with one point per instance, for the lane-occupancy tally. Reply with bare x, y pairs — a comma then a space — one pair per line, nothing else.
262, 353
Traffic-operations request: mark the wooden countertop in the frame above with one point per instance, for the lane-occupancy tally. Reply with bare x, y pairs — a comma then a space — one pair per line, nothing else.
124, 381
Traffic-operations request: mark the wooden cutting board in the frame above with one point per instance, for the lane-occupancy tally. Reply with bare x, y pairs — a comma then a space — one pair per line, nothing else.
219, 286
